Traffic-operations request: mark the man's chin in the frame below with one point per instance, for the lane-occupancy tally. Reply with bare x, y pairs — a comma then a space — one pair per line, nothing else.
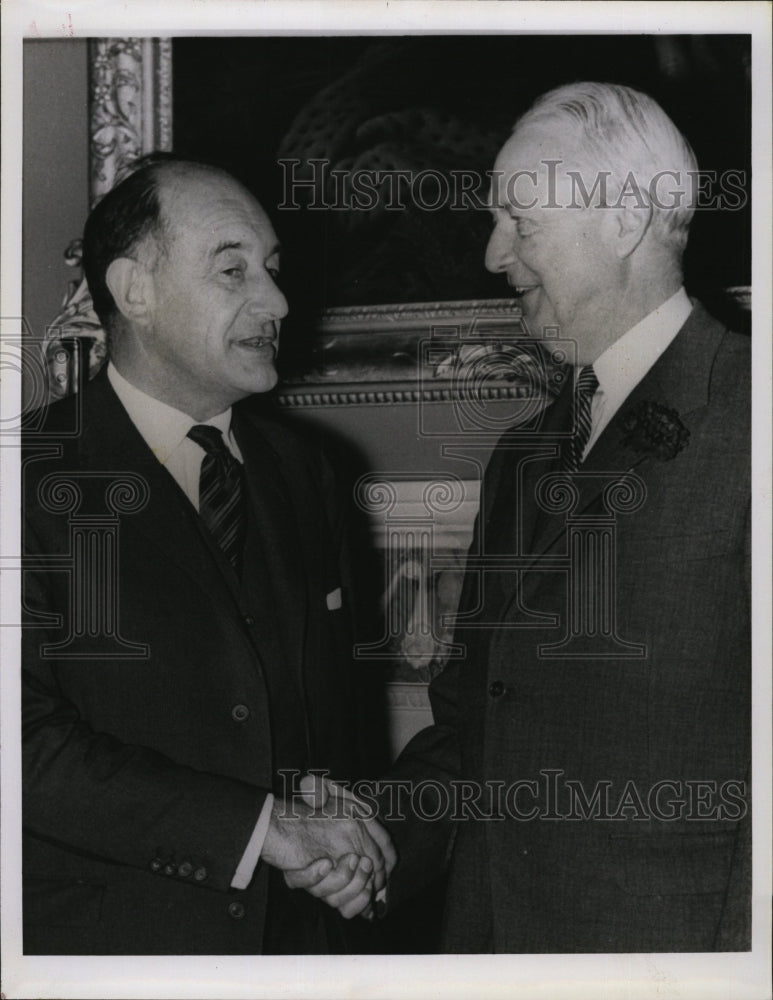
261, 379
265, 380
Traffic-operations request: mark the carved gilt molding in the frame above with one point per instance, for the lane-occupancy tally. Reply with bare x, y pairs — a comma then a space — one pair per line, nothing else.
419, 352
385, 396
422, 316
398, 506
130, 102
130, 114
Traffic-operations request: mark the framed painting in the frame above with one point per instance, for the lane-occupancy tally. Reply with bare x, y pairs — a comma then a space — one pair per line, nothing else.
376, 154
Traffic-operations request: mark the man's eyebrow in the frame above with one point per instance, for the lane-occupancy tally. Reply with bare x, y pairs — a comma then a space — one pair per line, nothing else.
225, 245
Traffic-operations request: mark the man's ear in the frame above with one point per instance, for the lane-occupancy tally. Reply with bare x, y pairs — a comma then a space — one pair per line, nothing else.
629, 225
132, 289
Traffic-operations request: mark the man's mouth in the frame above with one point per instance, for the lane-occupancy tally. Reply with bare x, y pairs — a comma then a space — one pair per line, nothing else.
257, 343
520, 290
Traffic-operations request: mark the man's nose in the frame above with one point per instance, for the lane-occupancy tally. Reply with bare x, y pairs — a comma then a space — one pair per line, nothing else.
500, 253
268, 300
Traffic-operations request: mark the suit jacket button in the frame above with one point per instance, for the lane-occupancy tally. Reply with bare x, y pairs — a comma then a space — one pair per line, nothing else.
496, 689
156, 865
240, 713
170, 869
200, 874
185, 869
236, 910
249, 620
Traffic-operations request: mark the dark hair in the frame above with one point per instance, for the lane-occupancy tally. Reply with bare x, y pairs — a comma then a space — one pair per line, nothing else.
122, 219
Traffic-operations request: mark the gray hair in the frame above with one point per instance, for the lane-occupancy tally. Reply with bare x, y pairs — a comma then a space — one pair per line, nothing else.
627, 133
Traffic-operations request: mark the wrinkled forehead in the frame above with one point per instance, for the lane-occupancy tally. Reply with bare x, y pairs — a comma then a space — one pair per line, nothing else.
538, 159
202, 205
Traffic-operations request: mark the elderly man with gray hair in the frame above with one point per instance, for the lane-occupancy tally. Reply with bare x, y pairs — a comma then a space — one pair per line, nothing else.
586, 777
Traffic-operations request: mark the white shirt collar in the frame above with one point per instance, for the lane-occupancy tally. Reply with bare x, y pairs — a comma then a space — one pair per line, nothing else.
163, 427
625, 363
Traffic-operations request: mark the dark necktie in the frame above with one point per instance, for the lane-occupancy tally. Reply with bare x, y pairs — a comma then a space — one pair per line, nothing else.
221, 492
584, 389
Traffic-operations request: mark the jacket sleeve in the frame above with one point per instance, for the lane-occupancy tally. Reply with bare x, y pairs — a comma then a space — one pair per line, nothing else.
90, 793
416, 788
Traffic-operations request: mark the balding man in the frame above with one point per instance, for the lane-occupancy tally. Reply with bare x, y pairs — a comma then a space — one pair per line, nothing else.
587, 771
186, 654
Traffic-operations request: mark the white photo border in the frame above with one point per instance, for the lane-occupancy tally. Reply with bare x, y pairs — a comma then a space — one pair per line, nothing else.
742, 976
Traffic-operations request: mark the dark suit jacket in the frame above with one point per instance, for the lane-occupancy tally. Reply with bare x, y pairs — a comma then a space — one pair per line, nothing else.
679, 711
150, 746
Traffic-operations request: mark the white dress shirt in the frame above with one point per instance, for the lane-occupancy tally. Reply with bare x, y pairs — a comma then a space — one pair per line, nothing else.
164, 429
625, 363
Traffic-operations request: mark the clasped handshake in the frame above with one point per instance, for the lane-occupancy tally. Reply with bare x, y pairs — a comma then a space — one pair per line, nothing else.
327, 843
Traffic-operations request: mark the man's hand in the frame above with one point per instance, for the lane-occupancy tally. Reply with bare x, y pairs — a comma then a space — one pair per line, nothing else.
348, 884
348, 887
328, 824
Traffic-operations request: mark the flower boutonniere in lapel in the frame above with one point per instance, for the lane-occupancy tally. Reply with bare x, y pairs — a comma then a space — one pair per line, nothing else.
653, 429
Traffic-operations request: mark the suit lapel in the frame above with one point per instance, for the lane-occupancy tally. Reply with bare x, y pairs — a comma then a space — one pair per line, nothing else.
111, 442
278, 536
553, 431
511, 517
678, 380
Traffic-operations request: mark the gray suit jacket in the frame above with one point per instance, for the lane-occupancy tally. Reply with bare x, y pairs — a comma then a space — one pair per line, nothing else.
626, 750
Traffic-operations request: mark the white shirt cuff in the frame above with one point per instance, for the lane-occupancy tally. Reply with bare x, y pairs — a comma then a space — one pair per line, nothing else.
249, 862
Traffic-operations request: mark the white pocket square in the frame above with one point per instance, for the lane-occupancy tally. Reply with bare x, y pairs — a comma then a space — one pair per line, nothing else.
334, 600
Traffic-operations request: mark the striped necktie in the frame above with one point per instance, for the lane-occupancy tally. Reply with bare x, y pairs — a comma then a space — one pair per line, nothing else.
221, 492
584, 390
